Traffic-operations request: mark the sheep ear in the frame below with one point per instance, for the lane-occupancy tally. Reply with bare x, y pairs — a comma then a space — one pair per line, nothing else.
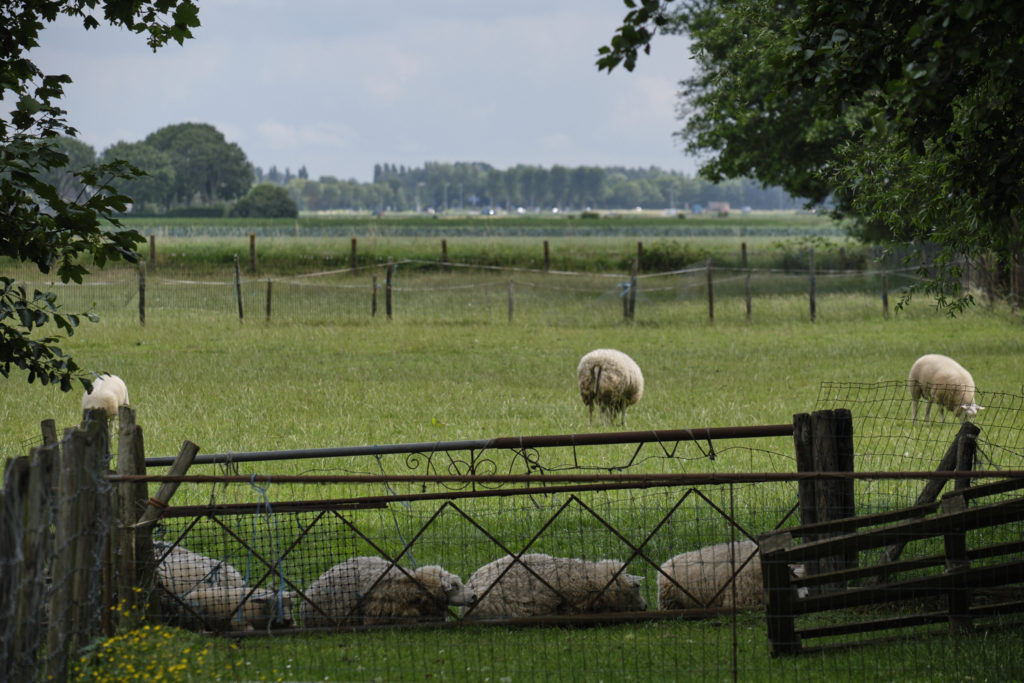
635, 580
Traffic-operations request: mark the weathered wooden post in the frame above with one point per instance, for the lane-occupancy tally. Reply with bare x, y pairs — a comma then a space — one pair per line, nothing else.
632, 288
352, 256
811, 269
960, 452
142, 293
639, 255
511, 299
238, 288
387, 286
885, 295
152, 250
373, 298
252, 252
269, 289
711, 293
547, 256
135, 547
743, 259
444, 256
824, 443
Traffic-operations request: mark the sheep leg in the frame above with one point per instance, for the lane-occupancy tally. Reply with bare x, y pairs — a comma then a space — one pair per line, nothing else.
913, 410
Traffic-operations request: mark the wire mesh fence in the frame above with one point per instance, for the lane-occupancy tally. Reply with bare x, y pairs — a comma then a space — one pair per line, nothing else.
468, 293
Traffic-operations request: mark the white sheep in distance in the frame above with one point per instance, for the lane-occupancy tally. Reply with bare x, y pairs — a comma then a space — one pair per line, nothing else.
539, 584
108, 393
611, 380
705, 574
942, 380
373, 590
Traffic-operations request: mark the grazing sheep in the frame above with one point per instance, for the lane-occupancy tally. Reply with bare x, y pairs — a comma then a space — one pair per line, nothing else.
706, 573
612, 380
942, 380
540, 584
373, 590
181, 571
224, 607
108, 393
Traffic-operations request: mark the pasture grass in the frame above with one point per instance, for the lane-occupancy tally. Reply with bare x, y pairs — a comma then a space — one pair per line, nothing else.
441, 372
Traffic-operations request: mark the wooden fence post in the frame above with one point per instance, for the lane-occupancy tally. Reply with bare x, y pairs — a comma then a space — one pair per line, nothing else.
639, 255
960, 451
269, 288
632, 289
824, 443
252, 252
135, 547
711, 293
743, 259
373, 298
157, 503
885, 295
547, 256
28, 500
238, 288
142, 293
511, 299
444, 256
811, 270
387, 286
152, 250
352, 257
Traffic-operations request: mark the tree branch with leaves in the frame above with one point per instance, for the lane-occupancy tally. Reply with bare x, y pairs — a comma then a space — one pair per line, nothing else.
39, 224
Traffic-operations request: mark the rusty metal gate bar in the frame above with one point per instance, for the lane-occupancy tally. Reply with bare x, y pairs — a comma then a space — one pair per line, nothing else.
515, 443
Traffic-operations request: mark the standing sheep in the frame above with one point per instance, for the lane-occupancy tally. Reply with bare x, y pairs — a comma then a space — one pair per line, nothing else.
373, 590
108, 393
610, 379
705, 575
539, 584
942, 380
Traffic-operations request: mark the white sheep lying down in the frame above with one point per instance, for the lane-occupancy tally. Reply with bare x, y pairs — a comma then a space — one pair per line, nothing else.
539, 584
942, 380
706, 574
216, 591
108, 393
373, 590
611, 380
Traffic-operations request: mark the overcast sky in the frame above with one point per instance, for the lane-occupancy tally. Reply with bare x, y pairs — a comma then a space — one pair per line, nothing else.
339, 85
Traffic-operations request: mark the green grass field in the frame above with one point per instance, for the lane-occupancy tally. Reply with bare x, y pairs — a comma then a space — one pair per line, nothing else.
441, 372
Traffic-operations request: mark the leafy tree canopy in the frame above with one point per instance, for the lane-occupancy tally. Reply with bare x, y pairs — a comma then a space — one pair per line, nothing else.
39, 222
908, 112
206, 166
266, 201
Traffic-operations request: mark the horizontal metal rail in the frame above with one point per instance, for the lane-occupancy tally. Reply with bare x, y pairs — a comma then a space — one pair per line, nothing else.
509, 442
681, 479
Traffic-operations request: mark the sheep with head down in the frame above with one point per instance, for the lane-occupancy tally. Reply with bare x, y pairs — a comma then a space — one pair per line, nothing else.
942, 380
611, 380
108, 393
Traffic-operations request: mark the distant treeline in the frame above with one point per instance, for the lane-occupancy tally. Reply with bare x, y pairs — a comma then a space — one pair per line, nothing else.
191, 170
480, 186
